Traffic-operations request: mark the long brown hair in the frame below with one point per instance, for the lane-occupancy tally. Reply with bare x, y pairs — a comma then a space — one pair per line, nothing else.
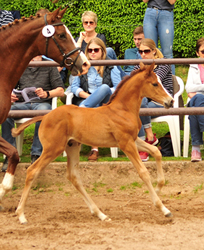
100, 43
199, 43
151, 44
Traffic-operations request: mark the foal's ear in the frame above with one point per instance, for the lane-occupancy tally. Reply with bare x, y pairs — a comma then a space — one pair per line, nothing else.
151, 68
142, 66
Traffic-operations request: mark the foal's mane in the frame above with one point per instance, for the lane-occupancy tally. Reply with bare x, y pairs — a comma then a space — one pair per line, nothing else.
125, 79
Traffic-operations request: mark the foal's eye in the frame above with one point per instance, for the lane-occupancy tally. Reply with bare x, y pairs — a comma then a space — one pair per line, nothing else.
62, 36
155, 84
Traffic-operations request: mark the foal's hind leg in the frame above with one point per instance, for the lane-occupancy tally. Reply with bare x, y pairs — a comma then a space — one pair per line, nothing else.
13, 159
131, 151
154, 152
49, 154
72, 151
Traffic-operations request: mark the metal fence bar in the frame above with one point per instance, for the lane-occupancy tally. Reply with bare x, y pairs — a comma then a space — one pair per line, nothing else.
17, 114
125, 62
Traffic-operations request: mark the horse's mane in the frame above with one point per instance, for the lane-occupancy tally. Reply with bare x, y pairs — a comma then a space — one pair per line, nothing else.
17, 21
125, 79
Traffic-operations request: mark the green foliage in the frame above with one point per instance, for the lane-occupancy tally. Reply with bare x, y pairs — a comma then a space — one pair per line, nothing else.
117, 20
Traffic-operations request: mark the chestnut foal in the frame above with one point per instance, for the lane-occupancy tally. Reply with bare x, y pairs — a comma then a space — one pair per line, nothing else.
115, 124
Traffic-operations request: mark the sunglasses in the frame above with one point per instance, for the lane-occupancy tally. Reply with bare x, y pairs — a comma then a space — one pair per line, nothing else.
201, 51
96, 50
146, 51
91, 22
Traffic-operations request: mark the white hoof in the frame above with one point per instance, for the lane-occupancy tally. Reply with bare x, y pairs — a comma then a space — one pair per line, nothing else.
166, 212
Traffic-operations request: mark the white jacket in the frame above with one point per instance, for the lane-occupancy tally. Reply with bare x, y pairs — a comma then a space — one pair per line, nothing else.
194, 83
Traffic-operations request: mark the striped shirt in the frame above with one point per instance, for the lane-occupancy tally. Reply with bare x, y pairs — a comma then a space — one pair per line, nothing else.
5, 17
165, 75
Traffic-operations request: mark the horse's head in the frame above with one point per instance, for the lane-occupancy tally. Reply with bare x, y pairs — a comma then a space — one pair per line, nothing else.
60, 45
153, 88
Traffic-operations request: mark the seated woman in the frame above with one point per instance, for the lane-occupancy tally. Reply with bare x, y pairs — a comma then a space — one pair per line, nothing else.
95, 88
195, 90
148, 50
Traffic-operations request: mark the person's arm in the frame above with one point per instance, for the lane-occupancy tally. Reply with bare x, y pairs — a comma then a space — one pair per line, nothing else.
115, 78
145, 1
193, 83
171, 1
58, 92
77, 90
81, 38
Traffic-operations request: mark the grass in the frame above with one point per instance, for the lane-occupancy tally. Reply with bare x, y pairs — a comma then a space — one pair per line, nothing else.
159, 128
197, 188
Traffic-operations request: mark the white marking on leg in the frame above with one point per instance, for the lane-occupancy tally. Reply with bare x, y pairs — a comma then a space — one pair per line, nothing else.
166, 211
6, 184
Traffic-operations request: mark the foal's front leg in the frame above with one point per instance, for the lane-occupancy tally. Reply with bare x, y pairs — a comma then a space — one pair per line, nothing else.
72, 151
154, 152
131, 151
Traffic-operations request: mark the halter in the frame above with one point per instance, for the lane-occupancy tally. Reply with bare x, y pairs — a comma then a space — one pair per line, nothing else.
67, 60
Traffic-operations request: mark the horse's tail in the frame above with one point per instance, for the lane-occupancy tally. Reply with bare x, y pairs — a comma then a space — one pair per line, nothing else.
16, 131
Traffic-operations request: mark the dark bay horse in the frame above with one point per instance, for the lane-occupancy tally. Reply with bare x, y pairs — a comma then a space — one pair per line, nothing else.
115, 124
20, 42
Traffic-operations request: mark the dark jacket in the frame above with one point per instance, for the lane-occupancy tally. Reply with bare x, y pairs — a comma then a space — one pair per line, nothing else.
84, 83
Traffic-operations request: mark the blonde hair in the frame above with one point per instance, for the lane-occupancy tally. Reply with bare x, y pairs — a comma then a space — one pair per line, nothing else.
151, 44
90, 14
100, 43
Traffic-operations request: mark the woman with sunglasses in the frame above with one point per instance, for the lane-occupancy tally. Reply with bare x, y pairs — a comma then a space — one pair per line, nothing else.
89, 21
96, 87
148, 50
195, 89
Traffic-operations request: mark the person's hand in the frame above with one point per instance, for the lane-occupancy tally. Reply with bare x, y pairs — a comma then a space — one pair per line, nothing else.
82, 35
41, 93
14, 98
191, 94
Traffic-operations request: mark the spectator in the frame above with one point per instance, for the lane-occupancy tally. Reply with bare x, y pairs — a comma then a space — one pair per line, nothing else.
16, 14
5, 17
148, 50
89, 20
95, 88
133, 53
48, 84
195, 90
159, 23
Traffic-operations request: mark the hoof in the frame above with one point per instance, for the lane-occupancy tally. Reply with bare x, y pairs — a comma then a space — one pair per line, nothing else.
169, 215
24, 223
107, 219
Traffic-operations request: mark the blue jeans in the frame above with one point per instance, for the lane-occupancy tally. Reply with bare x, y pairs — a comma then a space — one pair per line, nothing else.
36, 148
98, 97
112, 55
160, 24
146, 120
197, 121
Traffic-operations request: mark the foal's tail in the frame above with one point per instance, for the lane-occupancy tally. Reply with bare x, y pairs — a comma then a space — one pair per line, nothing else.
16, 131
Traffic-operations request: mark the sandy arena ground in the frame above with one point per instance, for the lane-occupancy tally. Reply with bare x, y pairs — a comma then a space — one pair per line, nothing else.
59, 219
